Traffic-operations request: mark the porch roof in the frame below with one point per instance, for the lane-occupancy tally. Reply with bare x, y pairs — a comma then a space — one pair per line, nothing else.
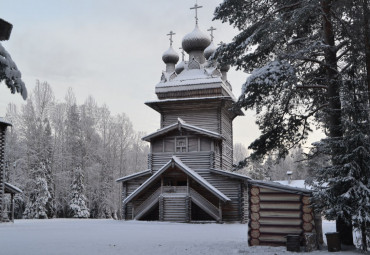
9, 188
175, 161
133, 176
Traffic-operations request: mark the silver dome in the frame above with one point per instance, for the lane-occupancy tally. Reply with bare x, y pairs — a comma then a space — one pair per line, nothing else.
170, 56
195, 41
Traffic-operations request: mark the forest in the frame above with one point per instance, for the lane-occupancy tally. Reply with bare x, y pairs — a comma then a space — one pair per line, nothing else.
66, 157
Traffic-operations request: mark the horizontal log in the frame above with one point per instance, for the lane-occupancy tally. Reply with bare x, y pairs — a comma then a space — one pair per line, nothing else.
255, 216
307, 227
307, 209
280, 206
307, 217
272, 238
280, 221
280, 214
280, 230
306, 200
255, 191
255, 199
255, 233
284, 197
254, 242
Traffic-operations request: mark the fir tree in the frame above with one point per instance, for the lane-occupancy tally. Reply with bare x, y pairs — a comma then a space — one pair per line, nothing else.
36, 207
78, 202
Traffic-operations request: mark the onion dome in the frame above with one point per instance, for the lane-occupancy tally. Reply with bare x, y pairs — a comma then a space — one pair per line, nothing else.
195, 41
170, 56
209, 50
180, 67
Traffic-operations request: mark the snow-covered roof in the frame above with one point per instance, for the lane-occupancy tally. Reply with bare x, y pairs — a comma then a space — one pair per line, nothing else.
280, 187
133, 176
175, 161
9, 188
180, 124
194, 79
230, 174
296, 184
4, 122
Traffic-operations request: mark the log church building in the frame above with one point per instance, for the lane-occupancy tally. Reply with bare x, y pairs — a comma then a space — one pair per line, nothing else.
189, 177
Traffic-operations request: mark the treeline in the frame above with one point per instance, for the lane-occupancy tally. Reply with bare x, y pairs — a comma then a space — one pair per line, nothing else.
66, 157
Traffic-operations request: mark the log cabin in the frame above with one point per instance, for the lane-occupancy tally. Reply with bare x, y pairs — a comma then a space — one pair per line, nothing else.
5, 188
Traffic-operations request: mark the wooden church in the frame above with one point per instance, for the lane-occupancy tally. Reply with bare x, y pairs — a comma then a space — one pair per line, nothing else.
189, 176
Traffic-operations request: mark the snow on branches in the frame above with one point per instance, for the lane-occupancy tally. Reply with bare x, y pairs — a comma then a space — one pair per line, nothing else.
10, 73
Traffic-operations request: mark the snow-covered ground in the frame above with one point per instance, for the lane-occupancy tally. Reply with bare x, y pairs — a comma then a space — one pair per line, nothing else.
106, 237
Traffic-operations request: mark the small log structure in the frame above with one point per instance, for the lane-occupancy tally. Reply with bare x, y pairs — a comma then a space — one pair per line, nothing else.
277, 211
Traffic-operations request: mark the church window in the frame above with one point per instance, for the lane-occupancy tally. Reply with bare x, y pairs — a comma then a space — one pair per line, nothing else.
181, 145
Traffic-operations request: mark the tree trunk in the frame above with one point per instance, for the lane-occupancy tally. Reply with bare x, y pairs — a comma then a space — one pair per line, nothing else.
334, 111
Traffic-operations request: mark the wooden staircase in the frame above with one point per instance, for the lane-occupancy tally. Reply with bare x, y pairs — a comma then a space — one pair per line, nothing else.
203, 203
147, 204
175, 205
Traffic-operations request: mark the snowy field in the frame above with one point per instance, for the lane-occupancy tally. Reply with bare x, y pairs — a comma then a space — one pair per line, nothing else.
106, 237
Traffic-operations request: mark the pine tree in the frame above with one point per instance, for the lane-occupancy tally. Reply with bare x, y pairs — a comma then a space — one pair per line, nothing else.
343, 188
299, 53
78, 202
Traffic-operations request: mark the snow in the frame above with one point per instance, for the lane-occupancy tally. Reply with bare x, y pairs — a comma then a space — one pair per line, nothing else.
110, 237
296, 183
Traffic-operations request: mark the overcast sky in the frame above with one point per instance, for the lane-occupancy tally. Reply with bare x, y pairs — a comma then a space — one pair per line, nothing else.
110, 49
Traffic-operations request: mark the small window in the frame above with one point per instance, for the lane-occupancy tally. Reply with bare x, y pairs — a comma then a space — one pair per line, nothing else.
181, 145
205, 144
169, 145
193, 144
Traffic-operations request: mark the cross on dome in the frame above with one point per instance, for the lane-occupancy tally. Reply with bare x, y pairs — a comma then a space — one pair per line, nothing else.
170, 35
196, 7
211, 29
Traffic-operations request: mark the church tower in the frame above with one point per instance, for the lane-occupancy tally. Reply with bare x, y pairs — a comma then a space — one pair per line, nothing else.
196, 92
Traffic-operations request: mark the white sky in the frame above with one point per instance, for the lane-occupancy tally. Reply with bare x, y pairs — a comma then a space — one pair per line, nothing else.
110, 49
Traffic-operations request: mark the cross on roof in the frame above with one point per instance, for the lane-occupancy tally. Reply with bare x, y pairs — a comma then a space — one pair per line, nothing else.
171, 34
211, 29
183, 53
196, 7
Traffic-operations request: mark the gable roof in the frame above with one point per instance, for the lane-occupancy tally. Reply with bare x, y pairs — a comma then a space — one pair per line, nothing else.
180, 124
133, 176
175, 161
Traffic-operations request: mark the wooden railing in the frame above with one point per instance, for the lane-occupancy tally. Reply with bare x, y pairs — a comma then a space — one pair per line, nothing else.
147, 204
203, 203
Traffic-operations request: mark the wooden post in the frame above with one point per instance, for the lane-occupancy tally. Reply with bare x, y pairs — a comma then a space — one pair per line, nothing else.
188, 186
220, 209
133, 211
161, 184
12, 207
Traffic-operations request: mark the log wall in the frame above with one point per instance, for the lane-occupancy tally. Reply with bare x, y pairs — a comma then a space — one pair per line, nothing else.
275, 214
2, 169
